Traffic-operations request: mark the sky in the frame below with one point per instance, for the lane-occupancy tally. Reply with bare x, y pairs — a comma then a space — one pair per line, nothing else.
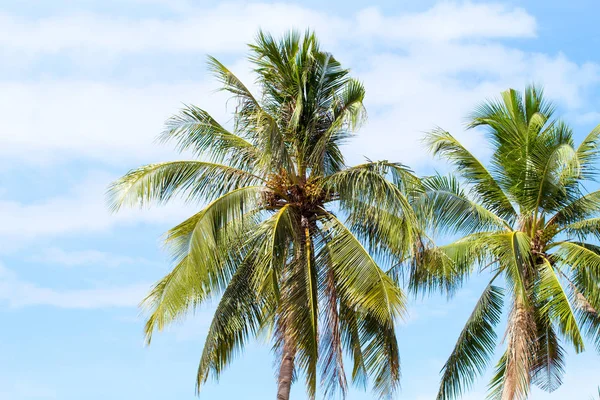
86, 86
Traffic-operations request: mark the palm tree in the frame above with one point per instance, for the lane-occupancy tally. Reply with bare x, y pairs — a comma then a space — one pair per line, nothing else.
269, 241
524, 219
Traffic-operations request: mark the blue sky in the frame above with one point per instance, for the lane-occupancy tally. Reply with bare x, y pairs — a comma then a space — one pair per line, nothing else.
86, 87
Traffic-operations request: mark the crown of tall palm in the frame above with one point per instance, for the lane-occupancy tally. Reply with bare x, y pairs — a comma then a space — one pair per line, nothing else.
526, 218
269, 242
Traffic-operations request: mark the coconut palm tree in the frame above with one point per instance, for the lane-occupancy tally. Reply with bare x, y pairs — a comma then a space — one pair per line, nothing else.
290, 237
526, 219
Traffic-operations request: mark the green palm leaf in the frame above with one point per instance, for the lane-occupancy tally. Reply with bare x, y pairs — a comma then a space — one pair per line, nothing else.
363, 287
587, 154
238, 316
452, 211
192, 179
445, 145
194, 129
556, 303
474, 346
584, 207
549, 365
207, 249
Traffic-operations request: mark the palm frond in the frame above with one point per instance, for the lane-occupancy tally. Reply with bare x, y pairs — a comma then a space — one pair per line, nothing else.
586, 294
276, 238
381, 355
555, 168
379, 209
207, 249
493, 197
361, 282
370, 302
498, 379
584, 228
348, 112
194, 129
474, 346
584, 207
238, 317
190, 179
549, 365
444, 268
582, 260
331, 341
557, 305
448, 208
579, 256
253, 120
305, 322
351, 341
587, 154
514, 255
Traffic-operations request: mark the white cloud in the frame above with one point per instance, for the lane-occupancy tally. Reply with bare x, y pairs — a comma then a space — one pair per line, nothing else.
226, 28
440, 84
55, 255
81, 209
448, 21
50, 121
229, 26
19, 293
47, 121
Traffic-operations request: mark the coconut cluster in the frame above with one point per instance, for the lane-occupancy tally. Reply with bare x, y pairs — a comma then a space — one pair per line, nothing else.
542, 237
305, 195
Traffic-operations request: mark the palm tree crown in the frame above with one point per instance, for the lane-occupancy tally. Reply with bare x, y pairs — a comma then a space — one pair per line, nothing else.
269, 241
526, 218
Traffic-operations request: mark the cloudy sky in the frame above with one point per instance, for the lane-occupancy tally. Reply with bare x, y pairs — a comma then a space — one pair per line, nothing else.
85, 88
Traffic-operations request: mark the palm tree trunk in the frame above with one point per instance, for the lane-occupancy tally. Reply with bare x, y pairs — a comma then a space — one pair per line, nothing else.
286, 371
521, 342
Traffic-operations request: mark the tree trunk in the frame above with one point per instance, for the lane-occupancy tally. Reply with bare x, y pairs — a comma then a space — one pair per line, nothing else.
286, 372
521, 336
